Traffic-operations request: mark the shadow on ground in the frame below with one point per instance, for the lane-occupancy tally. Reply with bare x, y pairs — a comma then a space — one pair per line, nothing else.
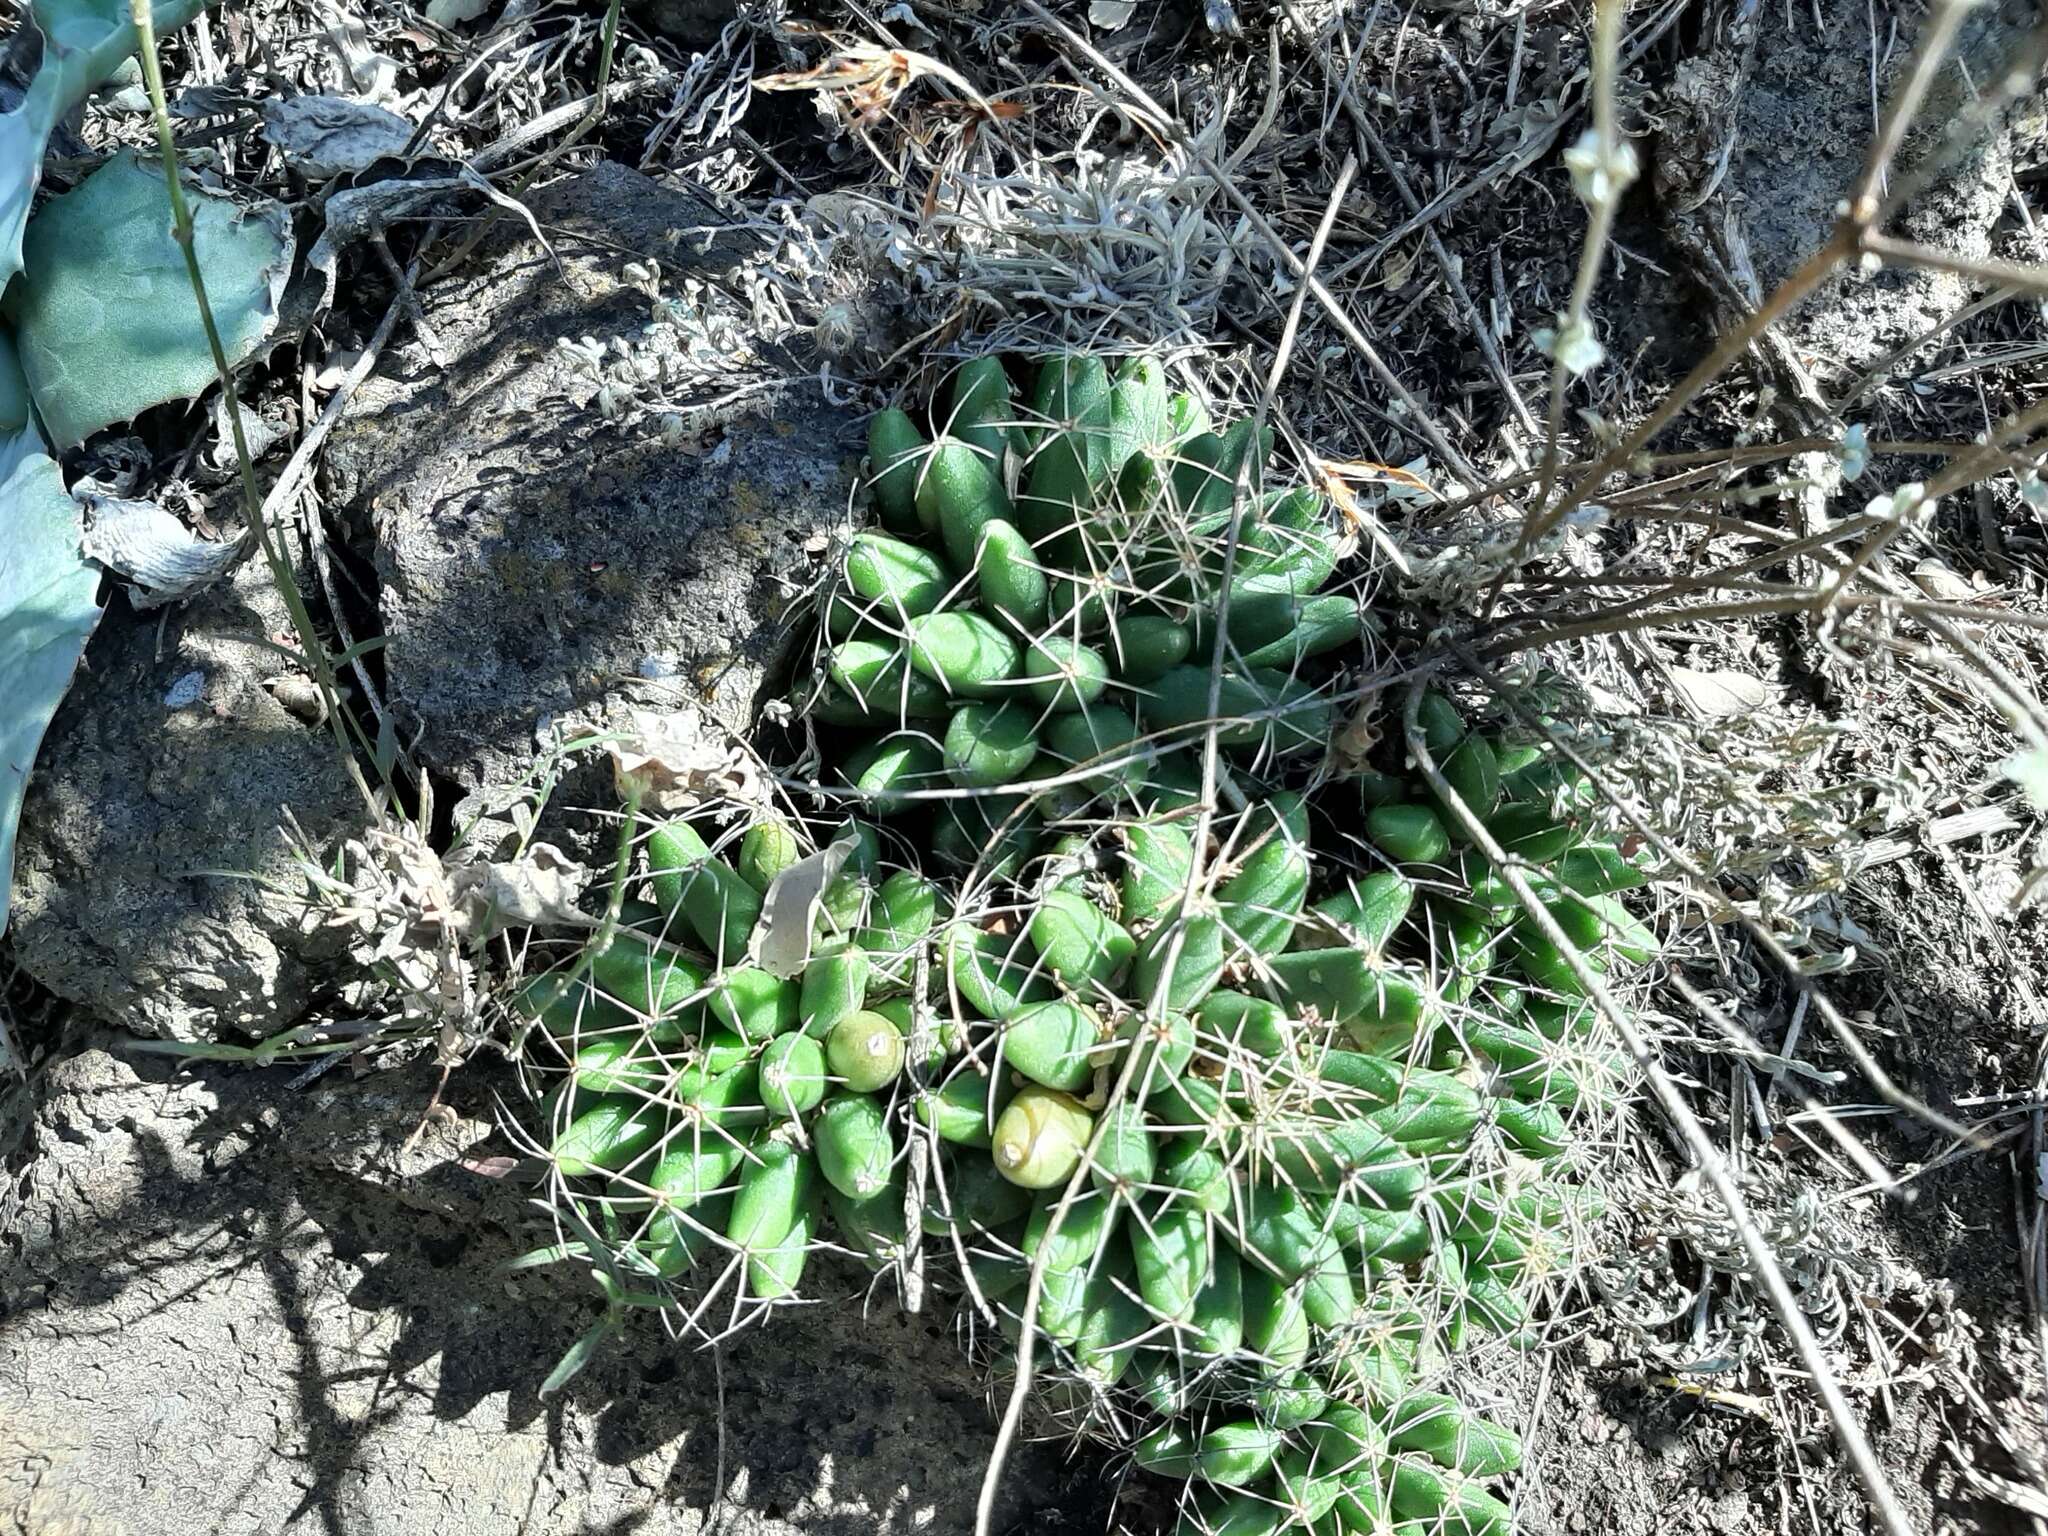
228, 1308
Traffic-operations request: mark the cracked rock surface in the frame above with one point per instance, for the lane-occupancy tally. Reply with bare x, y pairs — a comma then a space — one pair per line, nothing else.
153, 883
537, 561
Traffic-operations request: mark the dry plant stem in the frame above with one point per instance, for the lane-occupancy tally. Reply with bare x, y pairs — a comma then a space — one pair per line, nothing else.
1879, 372
1909, 253
1708, 1157
1799, 600
2011, 695
718, 1474
2015, 81
1851, 236
622, 869
1155, 1006
285, 488
1027, 1333
910, 1263
1726, 577
457, 81
1534, 148
1835, 583
528, 133
1418, 416
313, 653
1867, 206
1699, 459
1990, 457
1815, 270
1291, 330
1606, 44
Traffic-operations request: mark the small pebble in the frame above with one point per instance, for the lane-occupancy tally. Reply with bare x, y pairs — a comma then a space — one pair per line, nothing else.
184, 693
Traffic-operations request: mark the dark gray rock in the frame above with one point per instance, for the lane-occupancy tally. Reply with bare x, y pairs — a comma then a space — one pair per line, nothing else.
1782, 134
536, 564
232, 1308
535, 558
155, 884
690, 22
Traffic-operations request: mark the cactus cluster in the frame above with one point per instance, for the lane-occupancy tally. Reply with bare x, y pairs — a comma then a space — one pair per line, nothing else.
1133, 985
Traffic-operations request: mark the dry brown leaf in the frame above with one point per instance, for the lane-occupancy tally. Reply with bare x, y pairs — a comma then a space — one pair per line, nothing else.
538, 890
782, 941
668, 764
1940, 581
1719, 695
1361, 733
863, 81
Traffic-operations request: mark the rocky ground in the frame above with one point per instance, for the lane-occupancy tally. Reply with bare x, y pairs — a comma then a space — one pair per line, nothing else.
237, 1308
